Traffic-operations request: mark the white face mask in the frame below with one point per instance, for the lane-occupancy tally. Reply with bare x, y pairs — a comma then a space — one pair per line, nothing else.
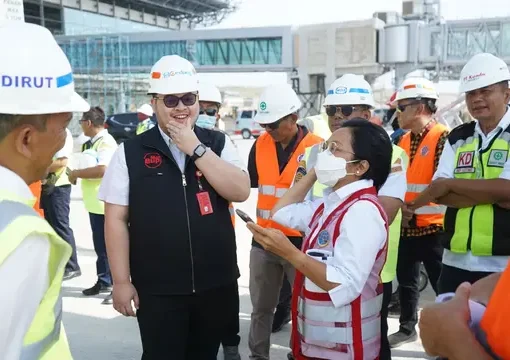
206, 121
330, 169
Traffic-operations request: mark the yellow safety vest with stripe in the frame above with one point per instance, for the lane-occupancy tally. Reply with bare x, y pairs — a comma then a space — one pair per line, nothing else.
143, 126
318, 125
389, 270
482, 229
45, 338
90, 187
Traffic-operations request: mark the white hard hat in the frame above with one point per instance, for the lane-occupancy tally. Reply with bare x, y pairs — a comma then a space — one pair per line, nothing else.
350, 89
483, 70
146, 109
416, 88
276, 102
173, 74
35, 74
208, 92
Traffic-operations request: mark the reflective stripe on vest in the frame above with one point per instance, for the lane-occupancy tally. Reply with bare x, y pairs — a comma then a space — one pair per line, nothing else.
483, 229
90, 187
496, 319
420, 173
45, 338
322, 330
272, 184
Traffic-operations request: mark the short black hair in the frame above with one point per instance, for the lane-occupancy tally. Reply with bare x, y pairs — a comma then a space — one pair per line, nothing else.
370, 142
95, 115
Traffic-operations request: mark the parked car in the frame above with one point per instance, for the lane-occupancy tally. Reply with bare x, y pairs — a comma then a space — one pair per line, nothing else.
123, 126
246, 126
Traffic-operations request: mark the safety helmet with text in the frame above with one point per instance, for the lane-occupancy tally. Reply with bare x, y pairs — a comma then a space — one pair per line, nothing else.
146, 109
350, 89
483, 70
172, 74
209, 92
416, 88
276, 102
35, 74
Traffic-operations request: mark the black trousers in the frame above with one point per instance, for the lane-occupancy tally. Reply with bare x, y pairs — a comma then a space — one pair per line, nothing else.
56, 207
231, 337
385, 352
451, 277
284, 301
102, 266
411, 252
184, 327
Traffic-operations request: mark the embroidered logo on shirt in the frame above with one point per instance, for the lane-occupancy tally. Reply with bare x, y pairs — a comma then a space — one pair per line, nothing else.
497, 158
152, 160
300, 172
424, 151
323, 238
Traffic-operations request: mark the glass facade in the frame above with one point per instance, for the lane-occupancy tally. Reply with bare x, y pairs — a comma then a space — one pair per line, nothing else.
109, 54
78, 22
463, 43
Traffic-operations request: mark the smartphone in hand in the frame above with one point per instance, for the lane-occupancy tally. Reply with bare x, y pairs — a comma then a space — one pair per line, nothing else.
244, 216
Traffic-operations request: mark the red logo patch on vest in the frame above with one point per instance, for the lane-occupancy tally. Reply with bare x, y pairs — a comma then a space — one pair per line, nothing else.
152, 160
466, 159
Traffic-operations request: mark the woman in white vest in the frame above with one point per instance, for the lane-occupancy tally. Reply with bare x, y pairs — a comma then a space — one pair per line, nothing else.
337, 293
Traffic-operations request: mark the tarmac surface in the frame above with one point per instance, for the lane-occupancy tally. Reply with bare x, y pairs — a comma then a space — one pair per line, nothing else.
98, 332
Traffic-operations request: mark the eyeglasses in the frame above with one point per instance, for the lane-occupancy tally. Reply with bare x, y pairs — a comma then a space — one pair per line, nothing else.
273, 126
402, 108
208, 112
346, 110
332, 147
172, 101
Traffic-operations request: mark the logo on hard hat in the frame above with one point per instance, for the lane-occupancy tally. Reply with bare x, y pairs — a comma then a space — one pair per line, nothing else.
17, 81
173, 73
263, 106
341, 90
473, 77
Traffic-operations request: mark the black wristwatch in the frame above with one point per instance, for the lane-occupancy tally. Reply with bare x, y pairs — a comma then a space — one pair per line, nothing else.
198, 152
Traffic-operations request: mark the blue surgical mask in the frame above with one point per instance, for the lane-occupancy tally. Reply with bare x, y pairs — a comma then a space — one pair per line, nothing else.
206, 121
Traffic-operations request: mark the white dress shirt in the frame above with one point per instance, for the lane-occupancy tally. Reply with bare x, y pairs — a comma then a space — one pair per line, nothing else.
67, 150
114, 188
362, 235
445, 169
24, 275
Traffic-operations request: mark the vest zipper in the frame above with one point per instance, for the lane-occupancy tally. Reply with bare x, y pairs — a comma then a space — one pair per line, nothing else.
184, 184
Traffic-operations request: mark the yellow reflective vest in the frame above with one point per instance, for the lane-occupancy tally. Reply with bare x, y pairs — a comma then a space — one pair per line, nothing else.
45, 338
389, 270
482, 229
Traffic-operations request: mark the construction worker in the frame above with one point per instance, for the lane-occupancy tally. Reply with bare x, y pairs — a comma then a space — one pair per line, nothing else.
272, 163
167, 193
56, 202
37, 99
421, 228
351, 97
100, 148
392, 118
210, 102
144, 114
472, 179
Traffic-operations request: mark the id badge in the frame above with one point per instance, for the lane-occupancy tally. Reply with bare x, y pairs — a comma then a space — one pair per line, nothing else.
204, 202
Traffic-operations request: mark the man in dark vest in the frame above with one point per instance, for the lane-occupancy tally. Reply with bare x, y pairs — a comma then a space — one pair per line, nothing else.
170, 239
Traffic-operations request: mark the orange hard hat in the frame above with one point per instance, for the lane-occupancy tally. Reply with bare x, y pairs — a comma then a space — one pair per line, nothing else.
391, 102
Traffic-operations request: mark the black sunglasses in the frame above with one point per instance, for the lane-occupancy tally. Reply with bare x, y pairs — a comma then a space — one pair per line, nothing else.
172, 101
273, 126
402, 108
208, 112
346, 110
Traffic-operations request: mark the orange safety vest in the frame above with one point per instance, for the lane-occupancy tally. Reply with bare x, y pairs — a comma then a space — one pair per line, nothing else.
272, 184
36, 190
232, 214
496, 319
420, 173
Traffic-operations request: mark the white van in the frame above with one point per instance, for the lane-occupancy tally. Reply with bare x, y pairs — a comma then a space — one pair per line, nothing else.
246, 126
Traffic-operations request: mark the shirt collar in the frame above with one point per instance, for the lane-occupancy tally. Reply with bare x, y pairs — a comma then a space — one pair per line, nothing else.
14, 187
98, 135
425, 129
503, 124
165, 137
345, 191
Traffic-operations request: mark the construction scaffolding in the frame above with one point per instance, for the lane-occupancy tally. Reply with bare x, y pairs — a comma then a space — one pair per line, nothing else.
101, 65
